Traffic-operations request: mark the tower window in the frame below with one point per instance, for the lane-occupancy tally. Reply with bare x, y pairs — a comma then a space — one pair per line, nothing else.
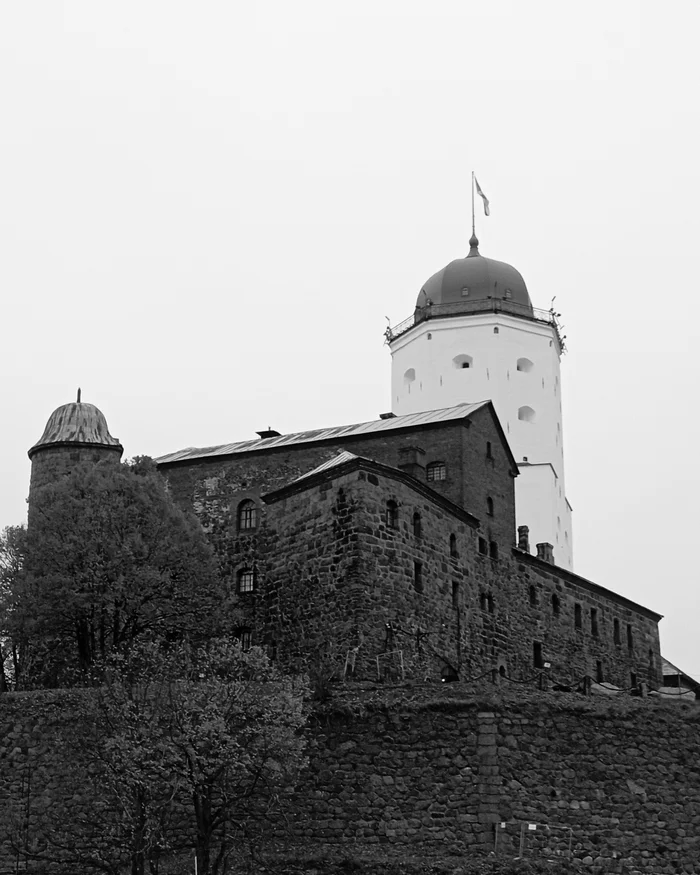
556, 605
630, 637
436, 471
578, 619
463, 361
526, 414
409, 376
246, 580
455, 594
490, 603
507, 294
418, 576
489, 451
247, 515
594, 622
392, 514
524, 365
453, 546
616, 631
489, 506
482, 601
537, 660
465, 291
495, 330
416, 524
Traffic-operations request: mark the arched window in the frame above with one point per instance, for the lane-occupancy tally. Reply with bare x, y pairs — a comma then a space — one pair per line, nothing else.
247, 515
462, 362
524, 365
489, 506
246, 580
526, 414
453, 546
556, 605
409, 377
416, 525
435, 471
392, 514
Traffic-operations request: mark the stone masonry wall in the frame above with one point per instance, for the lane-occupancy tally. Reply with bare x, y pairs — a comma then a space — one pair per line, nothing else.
616, 782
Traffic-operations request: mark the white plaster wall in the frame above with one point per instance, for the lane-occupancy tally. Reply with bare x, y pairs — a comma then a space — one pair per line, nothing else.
495, 342
541, 505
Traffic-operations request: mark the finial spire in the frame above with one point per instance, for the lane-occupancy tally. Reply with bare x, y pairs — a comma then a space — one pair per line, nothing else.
473, 246
78, 399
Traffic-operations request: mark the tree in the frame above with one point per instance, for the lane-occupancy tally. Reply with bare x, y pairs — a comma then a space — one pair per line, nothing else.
109, 559
12, 553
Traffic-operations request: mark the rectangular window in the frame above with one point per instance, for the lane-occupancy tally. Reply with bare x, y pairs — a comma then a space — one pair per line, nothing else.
245, 636
578, 623
455, 594
436, 471
483, 547
537, 660
630, 637
246, 581
599, 671
616, 631
418, 576
594, 622
493, 550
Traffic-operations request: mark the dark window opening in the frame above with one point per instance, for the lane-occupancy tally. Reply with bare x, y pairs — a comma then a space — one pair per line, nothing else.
483, 547
533, 596
271, 650
599, 671
418, 576
594, 622
392, 514
493, 550
578, 619
247, 515
556, 605
490, 602
489, 506
482, 601
453, 546
466, 364
449, 675
455, 594
633, 680
245, 636
246, 580
416, 525
502, 671
616, 632
436, 471
489, 451
537, 660
630, 637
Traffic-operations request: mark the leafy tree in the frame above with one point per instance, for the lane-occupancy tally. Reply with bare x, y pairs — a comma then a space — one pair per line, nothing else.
12, 551
109, 559
191, 749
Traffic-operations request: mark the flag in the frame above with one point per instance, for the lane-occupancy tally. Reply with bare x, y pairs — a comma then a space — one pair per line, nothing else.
483, 197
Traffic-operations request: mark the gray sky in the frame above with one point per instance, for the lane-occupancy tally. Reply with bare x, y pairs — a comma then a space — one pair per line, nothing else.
207, 209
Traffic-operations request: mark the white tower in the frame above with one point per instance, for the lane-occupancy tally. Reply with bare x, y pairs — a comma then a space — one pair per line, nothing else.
475, 336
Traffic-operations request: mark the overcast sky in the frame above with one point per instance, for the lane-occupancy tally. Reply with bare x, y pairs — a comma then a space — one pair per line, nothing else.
207, 209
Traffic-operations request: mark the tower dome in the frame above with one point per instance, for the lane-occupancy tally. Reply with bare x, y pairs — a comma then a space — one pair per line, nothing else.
76, 424
475, 278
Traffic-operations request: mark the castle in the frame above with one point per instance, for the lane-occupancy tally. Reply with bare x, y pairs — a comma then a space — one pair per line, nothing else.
389, 547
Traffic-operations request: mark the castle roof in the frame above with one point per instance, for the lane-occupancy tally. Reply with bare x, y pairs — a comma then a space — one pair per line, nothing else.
474, 278
410, 421
79, 424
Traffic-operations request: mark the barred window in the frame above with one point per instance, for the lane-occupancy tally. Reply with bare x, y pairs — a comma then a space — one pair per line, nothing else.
247, 515
246, 580
245, 636
436, 471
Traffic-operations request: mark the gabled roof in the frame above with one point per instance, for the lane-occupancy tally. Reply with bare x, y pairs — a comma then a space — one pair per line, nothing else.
668, 669
395, 423
345, 463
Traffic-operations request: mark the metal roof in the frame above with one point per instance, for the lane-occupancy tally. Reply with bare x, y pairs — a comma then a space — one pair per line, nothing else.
340, 459
340, 431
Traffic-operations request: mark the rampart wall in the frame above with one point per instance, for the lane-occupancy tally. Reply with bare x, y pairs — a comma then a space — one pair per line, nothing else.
614, 782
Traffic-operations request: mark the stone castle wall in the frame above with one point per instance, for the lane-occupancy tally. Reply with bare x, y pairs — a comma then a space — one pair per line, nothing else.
616, 782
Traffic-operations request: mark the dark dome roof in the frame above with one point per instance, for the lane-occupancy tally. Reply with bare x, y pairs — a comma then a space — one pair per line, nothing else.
474, 278
76, 423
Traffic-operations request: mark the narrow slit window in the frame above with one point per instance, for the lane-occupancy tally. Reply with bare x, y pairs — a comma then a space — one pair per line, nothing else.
594, 622
418, 576
616, 631
578, 618
556, 605
537, 659
417, 525
453, 546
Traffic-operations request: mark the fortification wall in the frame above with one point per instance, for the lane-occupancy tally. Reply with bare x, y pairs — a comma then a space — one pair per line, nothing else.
616, 782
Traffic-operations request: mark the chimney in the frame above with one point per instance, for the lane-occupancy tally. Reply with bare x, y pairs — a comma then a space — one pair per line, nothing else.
268, 433
524, 539
545, 552
411, 462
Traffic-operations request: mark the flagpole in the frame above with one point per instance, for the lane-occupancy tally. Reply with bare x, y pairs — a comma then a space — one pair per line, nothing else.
473, 225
